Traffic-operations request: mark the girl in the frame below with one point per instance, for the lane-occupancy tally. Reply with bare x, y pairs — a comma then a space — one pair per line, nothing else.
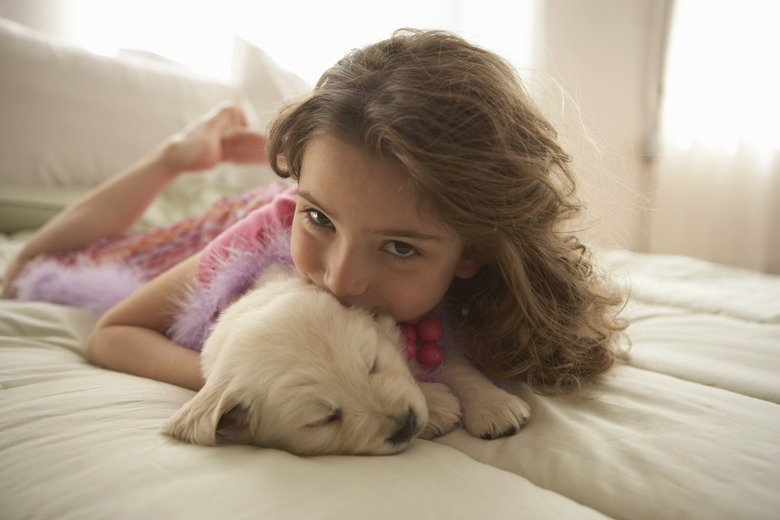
424, 176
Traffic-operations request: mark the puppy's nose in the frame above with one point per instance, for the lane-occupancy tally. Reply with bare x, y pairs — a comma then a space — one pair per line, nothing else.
408, 430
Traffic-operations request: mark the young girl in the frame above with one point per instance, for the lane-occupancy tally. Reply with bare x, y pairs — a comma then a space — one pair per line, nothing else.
424, 176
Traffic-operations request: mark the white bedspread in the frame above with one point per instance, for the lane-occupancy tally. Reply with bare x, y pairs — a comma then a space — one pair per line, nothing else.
690, 429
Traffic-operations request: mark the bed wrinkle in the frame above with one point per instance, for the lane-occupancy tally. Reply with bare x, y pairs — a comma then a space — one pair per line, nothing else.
697, 285
719, 351
44, 320
766, 314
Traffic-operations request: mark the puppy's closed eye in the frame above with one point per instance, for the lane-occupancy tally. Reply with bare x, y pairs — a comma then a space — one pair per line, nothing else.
332, 418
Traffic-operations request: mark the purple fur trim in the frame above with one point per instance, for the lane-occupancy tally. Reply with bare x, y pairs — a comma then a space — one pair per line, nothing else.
88, 285
236, 272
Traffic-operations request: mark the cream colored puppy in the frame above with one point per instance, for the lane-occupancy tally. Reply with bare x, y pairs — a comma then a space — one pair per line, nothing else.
296, 370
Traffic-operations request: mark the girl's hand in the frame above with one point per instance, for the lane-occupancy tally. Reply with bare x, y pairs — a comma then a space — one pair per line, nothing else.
223, 134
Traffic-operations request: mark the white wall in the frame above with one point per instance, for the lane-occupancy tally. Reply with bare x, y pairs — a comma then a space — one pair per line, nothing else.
605, 55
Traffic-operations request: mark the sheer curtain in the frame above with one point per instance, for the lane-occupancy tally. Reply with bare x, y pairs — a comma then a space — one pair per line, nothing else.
717, 193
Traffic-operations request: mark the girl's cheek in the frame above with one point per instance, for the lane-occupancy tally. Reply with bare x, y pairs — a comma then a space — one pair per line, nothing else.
307, 256
414, 297
300, 252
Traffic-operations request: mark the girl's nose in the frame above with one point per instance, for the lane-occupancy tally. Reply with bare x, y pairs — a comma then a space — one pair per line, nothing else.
346, 273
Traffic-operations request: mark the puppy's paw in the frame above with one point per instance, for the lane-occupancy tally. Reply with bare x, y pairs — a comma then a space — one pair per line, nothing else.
494, 413
443, 410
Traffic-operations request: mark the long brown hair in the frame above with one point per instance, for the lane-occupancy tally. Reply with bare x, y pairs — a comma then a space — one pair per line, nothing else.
482, 159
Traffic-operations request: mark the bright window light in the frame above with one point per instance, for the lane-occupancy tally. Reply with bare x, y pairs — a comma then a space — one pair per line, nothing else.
303, 36
722, 79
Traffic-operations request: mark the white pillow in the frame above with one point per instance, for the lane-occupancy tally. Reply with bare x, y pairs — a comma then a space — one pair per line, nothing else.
71, 118
264, 83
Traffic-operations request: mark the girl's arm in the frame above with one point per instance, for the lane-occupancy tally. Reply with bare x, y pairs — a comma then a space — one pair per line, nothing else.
130, 337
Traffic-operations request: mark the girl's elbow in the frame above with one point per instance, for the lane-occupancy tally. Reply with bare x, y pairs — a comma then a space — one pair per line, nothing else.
96, 348
92, 349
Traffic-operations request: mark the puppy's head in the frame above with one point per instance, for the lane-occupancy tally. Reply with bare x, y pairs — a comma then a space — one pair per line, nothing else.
300, 372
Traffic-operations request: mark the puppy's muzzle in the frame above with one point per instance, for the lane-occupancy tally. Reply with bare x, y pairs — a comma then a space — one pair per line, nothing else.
408, 430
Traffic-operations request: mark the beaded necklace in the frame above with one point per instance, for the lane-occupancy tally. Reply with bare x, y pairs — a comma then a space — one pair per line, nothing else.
421, 337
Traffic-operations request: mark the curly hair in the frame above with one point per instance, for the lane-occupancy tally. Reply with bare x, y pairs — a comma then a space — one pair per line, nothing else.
479, 155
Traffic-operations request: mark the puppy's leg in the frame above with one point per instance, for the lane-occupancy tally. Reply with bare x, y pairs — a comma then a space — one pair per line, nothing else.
443, 410
488, 411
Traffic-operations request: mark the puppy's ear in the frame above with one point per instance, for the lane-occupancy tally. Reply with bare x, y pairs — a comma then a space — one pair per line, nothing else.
234, 426
197, 421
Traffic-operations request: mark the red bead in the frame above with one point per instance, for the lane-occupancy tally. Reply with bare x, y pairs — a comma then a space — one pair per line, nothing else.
429, 330
410, 348
430, 354
414, 321
408, 332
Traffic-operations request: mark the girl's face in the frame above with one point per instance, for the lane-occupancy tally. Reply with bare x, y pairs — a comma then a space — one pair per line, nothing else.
358, 232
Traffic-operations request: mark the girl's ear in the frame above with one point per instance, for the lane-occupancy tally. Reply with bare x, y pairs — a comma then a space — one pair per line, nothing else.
467, 268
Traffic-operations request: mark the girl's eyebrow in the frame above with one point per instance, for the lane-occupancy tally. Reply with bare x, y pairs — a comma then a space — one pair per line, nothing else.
408, 233
308, 196
400, 233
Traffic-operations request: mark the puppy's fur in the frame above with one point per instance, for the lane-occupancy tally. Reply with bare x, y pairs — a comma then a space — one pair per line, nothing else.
289, 367
488, 411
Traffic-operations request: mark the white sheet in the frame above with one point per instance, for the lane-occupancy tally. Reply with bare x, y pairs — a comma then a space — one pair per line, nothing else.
690, 429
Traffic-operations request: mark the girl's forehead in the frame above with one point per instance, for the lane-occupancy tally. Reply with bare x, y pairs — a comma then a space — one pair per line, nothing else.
344, 180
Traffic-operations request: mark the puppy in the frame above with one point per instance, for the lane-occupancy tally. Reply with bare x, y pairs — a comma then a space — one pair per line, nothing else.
294, 369
287, 366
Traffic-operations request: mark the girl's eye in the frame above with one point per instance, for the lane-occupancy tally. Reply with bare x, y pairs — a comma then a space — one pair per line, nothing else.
401, 249
319, 218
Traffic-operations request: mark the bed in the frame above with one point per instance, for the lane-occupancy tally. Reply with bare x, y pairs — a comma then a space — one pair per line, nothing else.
689, 428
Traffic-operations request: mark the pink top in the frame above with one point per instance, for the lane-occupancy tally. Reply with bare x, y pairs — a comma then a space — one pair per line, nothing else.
278, 213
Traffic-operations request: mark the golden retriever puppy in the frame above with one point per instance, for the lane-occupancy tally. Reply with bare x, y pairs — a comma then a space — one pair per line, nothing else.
296, 370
